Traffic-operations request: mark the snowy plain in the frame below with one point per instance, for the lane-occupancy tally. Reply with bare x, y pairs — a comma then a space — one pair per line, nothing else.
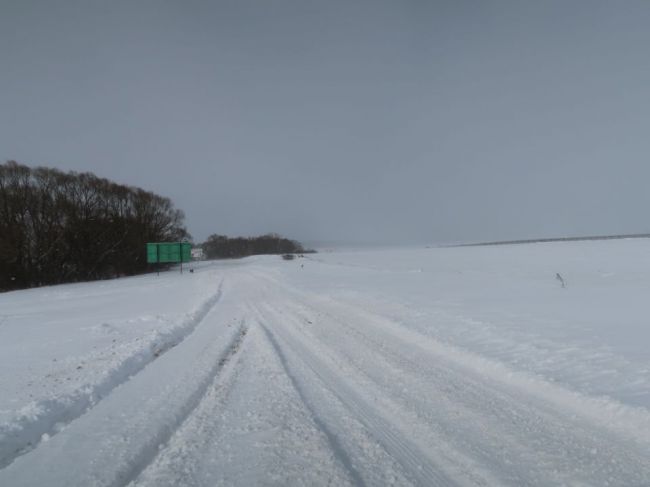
407, 366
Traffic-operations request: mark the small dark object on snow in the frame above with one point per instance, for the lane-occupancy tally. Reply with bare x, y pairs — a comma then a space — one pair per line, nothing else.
191, 271
559, 278
288, 256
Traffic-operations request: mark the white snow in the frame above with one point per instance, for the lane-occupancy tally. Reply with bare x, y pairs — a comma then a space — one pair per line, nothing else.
409, 366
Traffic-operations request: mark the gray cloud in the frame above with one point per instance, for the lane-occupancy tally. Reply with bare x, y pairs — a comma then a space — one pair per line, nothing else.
368, 120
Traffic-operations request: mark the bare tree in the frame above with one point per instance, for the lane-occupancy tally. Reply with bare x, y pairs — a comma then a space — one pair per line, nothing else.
59, 227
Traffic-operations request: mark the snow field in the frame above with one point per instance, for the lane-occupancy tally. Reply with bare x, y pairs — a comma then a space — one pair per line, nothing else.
448, 366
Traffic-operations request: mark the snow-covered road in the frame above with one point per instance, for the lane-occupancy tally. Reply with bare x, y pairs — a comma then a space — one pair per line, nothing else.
285, 375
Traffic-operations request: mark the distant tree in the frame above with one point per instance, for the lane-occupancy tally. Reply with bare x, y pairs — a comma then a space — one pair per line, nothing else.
222, 247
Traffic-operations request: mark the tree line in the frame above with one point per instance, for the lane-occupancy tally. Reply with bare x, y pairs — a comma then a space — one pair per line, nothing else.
222, 247
60, 226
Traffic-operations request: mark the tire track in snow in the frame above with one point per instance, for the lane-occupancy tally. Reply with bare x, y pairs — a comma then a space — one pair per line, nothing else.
335, 444
251, 428
501, 428
476, 420
148, 454
115, 440
52, 415
417, 467
631, 422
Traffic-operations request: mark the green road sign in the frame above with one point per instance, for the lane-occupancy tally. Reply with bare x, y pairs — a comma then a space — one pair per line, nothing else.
169, 252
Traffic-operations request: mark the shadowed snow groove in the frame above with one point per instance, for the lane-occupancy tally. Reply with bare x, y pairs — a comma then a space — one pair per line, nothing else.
417, 467
335, 444
148, 453
25, 433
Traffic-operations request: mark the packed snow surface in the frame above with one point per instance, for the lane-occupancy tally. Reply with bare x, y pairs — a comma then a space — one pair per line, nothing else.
433, 366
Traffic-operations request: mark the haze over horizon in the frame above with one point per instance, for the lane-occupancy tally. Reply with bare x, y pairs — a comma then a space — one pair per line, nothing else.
366, 121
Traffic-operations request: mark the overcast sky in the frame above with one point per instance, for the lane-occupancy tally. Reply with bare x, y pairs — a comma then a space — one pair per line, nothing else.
343, 120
